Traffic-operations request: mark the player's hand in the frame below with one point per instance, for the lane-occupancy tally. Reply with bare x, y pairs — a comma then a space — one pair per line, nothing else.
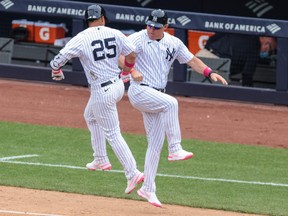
216, 77
57, 75
125, 76
137, 76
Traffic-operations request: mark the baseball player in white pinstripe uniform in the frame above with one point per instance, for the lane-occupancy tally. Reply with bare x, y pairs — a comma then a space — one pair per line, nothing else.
98, 47
156, 50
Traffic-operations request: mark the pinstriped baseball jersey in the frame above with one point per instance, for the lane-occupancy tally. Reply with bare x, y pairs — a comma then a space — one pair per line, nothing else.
158, 56
98, 49
159, 110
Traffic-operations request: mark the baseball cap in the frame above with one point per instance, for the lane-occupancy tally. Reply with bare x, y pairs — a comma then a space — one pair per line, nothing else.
158, 18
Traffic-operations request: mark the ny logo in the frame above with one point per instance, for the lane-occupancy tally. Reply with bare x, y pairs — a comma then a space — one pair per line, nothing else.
154, 18
170, 54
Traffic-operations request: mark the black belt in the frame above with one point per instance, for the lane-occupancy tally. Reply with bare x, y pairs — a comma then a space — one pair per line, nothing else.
109, 82
161, 90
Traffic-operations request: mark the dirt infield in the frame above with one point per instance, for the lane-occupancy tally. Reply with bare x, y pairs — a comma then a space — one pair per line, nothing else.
63, 105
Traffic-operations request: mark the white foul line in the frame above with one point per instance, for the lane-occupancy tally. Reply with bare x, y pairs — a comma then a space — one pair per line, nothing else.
17, 157
26, 213
226, 180
159, 174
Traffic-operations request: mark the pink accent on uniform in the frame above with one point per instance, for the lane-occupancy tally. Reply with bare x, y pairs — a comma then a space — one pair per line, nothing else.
125, 73
150, 197
180, 155
106, 166
56, 72
137, 179
207, 71
93, 166
128, 64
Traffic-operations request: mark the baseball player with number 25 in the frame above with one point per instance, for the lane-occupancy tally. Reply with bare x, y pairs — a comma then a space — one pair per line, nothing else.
155, 51
98, 47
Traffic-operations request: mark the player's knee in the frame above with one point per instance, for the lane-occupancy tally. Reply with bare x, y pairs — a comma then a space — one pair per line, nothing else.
86, 115
173, 104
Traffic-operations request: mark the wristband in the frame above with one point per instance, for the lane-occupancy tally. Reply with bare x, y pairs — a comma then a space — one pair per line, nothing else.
128, 64
124, 73
207, 72
56, 71
211, 73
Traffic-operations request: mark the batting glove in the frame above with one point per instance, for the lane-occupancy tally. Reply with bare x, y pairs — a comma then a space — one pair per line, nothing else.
57, 75
125, 76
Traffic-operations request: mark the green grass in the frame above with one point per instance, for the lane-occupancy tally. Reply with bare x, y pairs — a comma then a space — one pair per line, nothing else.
178, 183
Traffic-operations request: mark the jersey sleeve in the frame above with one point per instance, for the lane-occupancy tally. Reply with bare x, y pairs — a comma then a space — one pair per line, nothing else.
127, 46
135, 38
73, 48
184, 55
